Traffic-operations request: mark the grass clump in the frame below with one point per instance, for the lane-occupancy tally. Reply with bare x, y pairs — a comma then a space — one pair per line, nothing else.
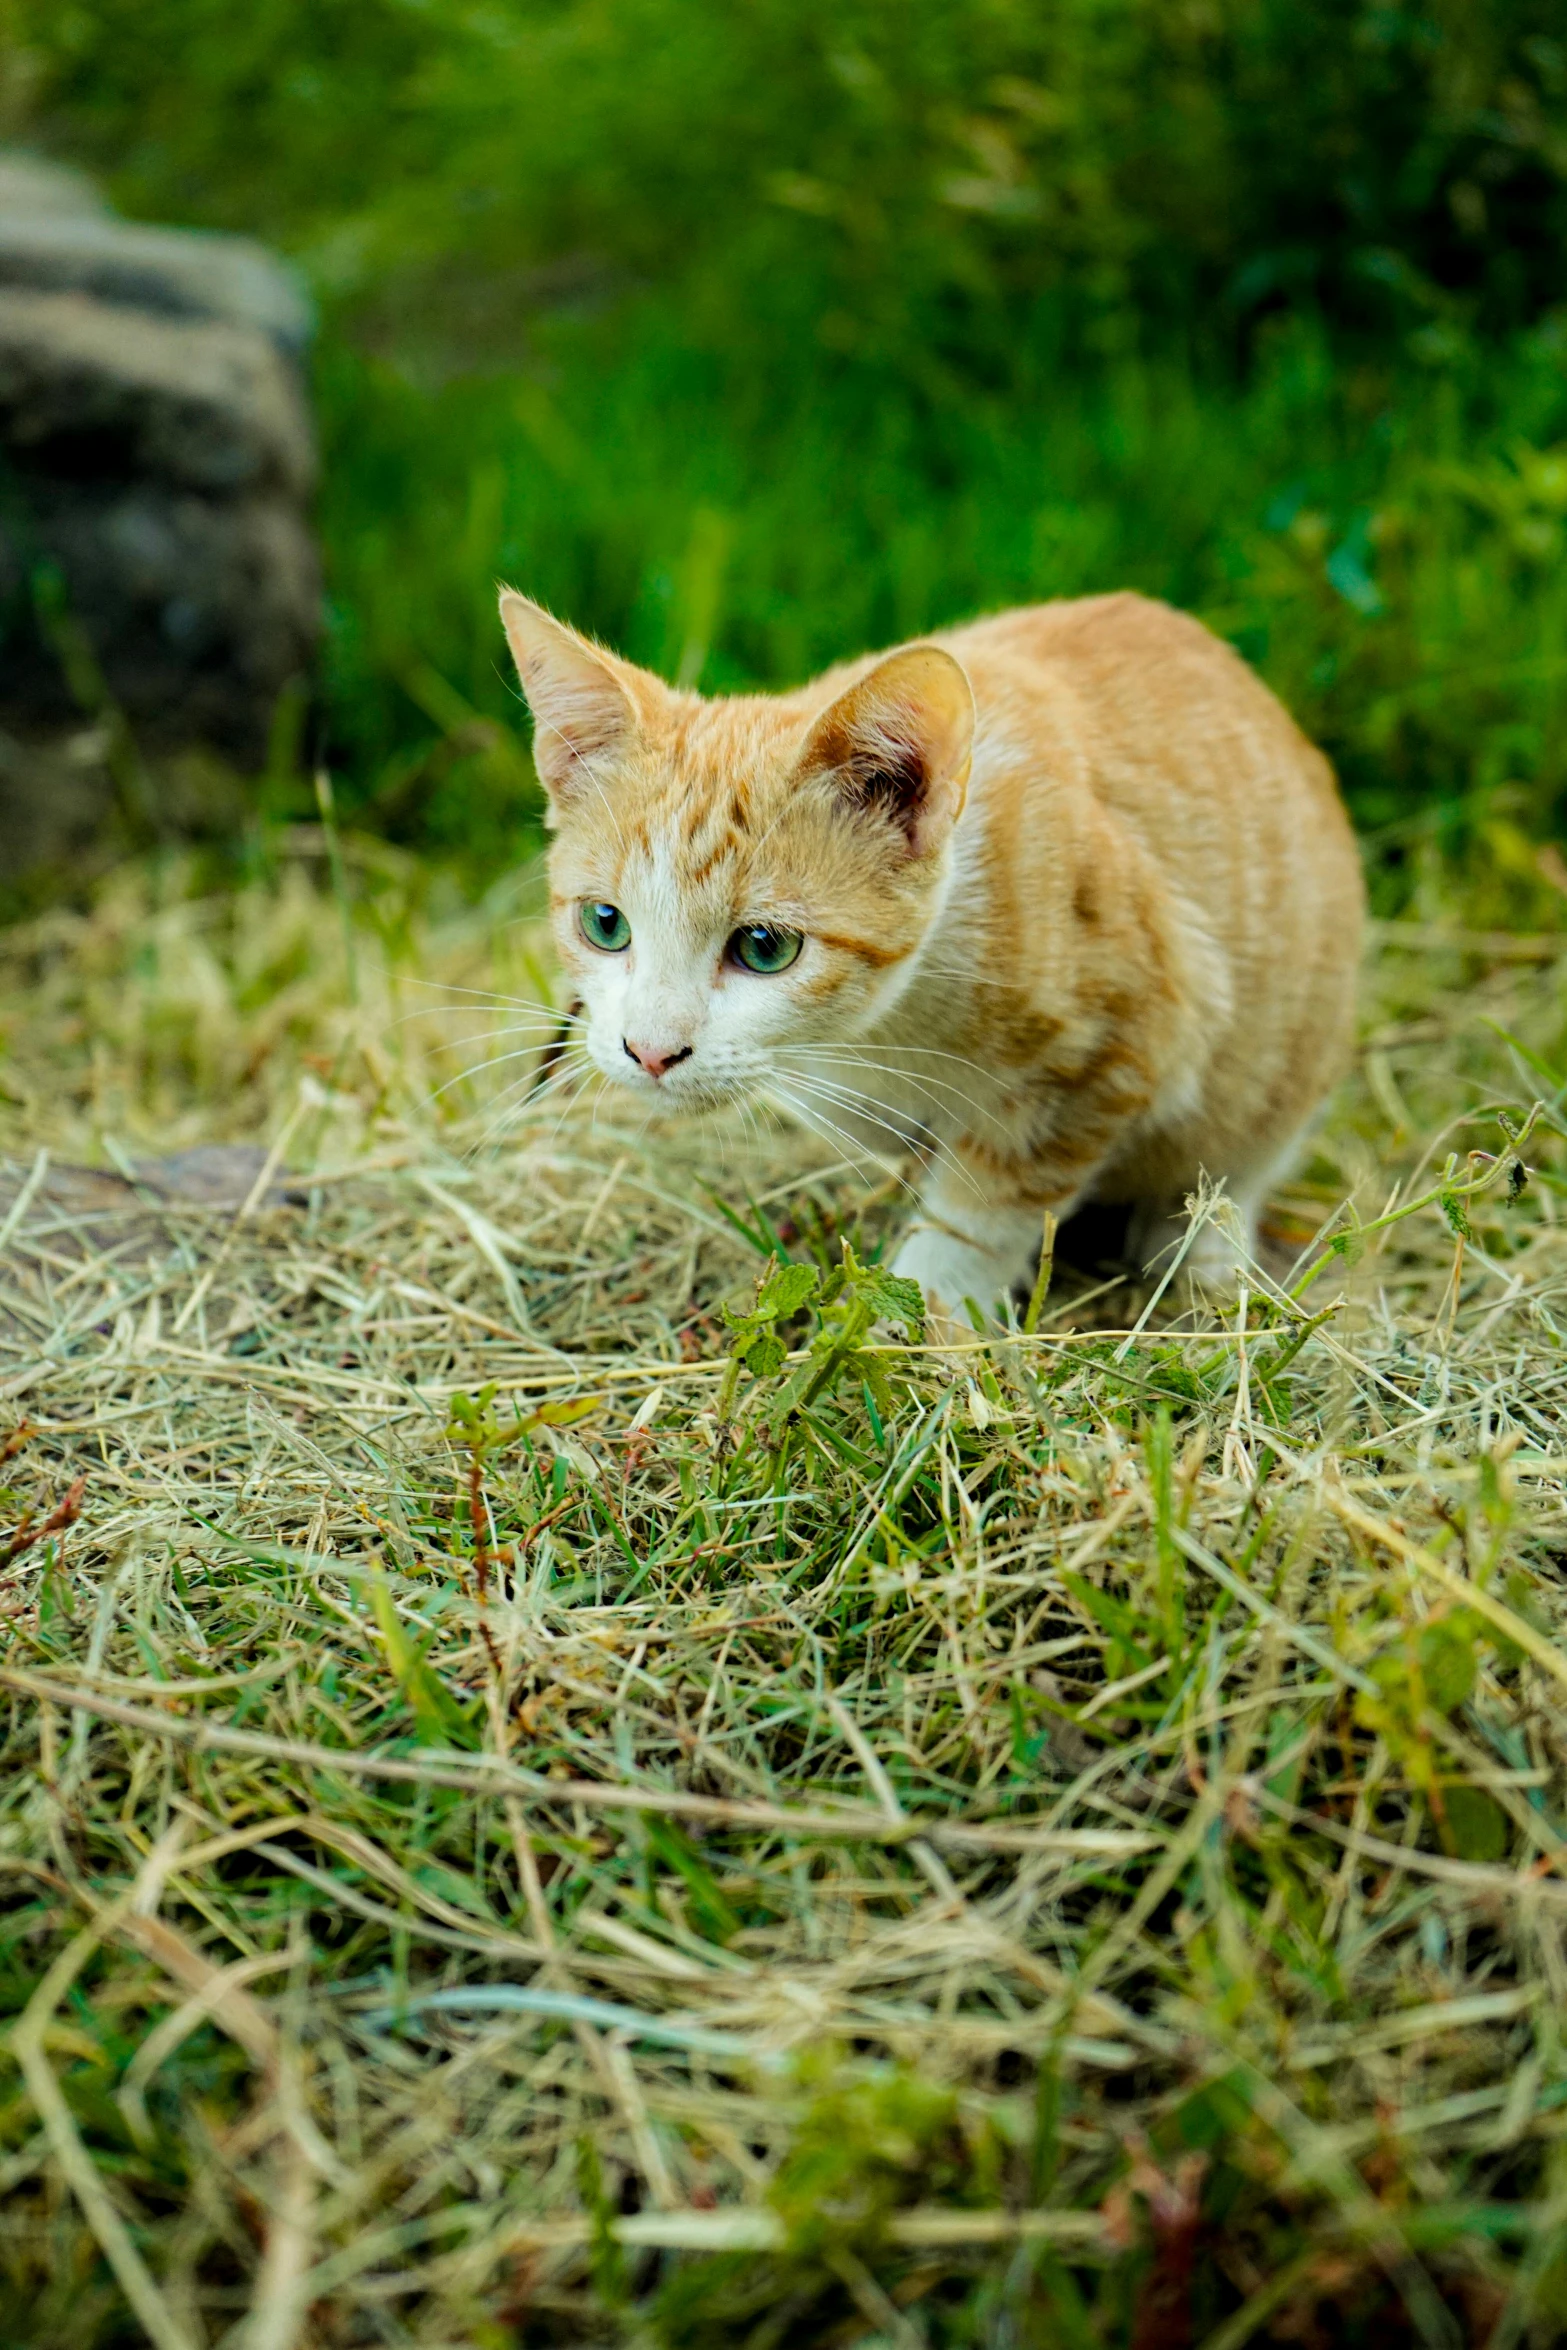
564, 1785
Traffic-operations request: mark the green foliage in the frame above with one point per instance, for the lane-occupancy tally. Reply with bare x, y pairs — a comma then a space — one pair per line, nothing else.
898, 185
782, 1294
859, 517
475, 1427
1457, 1216
1452, 1194
441, 1720
847, 1301
748, 339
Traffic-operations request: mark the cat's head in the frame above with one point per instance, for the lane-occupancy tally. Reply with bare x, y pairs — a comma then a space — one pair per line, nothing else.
732, 879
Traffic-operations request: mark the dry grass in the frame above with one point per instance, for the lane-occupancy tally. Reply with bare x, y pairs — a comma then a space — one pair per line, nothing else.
1073, 1859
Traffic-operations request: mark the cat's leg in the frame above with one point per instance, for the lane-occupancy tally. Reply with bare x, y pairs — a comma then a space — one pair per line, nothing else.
1227, 1241
968, 1253
1159, 1229
967, 1244
982, 1212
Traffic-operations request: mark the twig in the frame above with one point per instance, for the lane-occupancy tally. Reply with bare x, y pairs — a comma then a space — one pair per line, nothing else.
65, 1513
486, 1775
23, 1200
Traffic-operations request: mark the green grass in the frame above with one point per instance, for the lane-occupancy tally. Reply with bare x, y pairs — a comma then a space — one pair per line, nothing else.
1388, 551
520, 1831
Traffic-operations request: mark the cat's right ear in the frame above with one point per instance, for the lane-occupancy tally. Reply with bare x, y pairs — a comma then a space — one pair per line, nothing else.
583, 714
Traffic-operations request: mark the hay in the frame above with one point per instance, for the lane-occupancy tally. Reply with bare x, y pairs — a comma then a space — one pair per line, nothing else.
1080, 1853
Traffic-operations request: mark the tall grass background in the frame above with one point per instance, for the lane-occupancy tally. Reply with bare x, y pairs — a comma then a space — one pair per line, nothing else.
749, 338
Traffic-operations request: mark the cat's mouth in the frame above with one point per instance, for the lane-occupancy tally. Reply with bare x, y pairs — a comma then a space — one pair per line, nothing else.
681, 1091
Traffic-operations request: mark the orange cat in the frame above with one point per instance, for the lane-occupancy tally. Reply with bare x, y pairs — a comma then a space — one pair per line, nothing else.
1064, 899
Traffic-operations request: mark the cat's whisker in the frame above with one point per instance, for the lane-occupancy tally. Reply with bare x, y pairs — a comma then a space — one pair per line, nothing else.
476, 1068
923, 1052
930, 1148
537, 1042
969, 971
753, 1124
846, 1057
540, 1015
535, 1015
485, 995
574, 1068
861, 1150
865, 1105
536, 1046
518, 1101
541, 1031
568, 1099
852, 1056
517, 1122
857, 1154
469, 1040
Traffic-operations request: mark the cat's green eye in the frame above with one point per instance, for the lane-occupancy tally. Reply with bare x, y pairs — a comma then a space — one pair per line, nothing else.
604, 927
759, 946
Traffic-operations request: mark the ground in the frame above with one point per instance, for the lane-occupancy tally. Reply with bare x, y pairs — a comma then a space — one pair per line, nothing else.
538, 1814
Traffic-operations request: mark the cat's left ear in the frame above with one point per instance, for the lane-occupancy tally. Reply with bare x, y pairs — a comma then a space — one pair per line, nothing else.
897, 746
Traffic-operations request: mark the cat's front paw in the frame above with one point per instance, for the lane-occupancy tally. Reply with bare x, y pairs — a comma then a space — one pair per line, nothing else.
952, 1272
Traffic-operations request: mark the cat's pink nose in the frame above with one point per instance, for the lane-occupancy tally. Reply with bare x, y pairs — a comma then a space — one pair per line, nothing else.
655, 1058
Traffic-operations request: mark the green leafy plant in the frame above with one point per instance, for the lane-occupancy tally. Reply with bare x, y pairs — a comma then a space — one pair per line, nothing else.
1451, 1194
847, 1301
474, 1426
1429, 1674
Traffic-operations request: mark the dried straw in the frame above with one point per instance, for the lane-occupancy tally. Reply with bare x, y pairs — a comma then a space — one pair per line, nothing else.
1096, 1835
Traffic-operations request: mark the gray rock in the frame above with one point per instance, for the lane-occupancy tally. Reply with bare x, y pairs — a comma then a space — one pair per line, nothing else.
198, 611
30, 185
178, 273
212, 406
156, 465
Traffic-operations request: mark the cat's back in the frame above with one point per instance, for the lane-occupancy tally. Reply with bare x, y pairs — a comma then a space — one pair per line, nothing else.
1138, 709
1131, 684
1125, 754
1115, 730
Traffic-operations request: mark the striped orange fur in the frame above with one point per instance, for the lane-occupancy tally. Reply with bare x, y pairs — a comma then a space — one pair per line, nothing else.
1078, 910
